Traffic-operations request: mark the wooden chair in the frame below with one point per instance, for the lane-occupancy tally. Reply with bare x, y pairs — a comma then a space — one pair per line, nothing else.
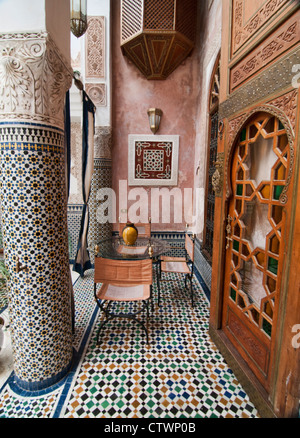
179, 265
144, 229
125, 283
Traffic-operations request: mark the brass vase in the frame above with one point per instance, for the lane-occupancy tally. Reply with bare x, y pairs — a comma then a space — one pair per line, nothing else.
129, 234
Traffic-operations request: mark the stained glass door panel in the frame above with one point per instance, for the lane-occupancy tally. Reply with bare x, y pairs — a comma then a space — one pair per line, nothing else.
254, 234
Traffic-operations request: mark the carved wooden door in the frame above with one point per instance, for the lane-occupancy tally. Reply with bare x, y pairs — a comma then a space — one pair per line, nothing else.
254, 251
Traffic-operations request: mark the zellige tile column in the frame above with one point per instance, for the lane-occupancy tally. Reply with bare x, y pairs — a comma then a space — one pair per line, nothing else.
34, 79
99, 227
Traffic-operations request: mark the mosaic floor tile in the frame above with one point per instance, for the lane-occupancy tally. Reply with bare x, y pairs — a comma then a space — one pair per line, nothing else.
181, 374
15, 406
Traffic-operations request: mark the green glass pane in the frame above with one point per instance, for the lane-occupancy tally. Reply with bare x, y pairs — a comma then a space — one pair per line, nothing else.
267, 327
239, 189
277, 192
280, 125
236, 245
243, 135
273, 265
232, 294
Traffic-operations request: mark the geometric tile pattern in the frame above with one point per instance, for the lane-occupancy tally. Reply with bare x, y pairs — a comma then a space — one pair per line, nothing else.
202, 264
3, 298
100, 226
34, 225
84, 307
74, 220
15, 406
15, 403
153, 160
181, 374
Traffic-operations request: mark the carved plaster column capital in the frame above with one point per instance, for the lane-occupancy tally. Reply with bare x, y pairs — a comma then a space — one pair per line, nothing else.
34, 78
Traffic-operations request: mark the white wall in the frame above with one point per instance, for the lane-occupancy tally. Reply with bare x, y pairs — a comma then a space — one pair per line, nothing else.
38, 15
22, 15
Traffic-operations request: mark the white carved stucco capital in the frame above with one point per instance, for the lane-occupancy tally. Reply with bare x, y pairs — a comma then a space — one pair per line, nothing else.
34, 79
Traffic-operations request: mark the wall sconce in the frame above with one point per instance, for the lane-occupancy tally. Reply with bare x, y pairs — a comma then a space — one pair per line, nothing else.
154, 115
78, 17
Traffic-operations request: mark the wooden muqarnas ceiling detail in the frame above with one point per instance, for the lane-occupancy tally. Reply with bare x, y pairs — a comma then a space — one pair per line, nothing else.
158, 36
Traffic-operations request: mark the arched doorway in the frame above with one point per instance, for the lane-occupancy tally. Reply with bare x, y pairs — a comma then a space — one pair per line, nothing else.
259, 172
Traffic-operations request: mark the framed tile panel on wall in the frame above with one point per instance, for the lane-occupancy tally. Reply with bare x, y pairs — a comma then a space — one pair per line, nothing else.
153, 160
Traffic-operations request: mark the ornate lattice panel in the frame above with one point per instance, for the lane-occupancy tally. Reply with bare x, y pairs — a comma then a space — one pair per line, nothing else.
161, 17
131, 18
157, 36
255, 221
95, 48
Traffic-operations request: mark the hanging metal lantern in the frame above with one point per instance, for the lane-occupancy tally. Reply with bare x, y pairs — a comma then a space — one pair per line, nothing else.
78, 17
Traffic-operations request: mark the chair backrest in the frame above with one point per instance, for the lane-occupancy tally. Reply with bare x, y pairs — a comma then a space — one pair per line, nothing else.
123, 272
190, 246
144, 230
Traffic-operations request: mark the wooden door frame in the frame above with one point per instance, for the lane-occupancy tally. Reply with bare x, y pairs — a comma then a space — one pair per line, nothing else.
265, 402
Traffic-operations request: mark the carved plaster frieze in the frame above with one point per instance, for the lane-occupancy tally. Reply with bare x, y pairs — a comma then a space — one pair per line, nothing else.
75, 195
274, 79
288, 104
95, 48
276, 44
242, 31
34, 79
97, 93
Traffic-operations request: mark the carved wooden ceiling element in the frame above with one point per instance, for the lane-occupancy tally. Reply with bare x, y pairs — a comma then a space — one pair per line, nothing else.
157, 36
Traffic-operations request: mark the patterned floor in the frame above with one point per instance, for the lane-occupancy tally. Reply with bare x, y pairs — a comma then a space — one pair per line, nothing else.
181, 374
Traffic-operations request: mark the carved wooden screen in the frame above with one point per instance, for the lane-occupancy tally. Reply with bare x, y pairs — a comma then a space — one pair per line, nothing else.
255, 228
207, 246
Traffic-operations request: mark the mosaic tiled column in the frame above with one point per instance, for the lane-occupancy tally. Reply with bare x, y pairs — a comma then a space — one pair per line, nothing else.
34, 79
98, 228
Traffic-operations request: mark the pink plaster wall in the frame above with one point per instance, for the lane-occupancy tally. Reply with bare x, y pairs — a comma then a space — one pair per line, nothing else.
133, 94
